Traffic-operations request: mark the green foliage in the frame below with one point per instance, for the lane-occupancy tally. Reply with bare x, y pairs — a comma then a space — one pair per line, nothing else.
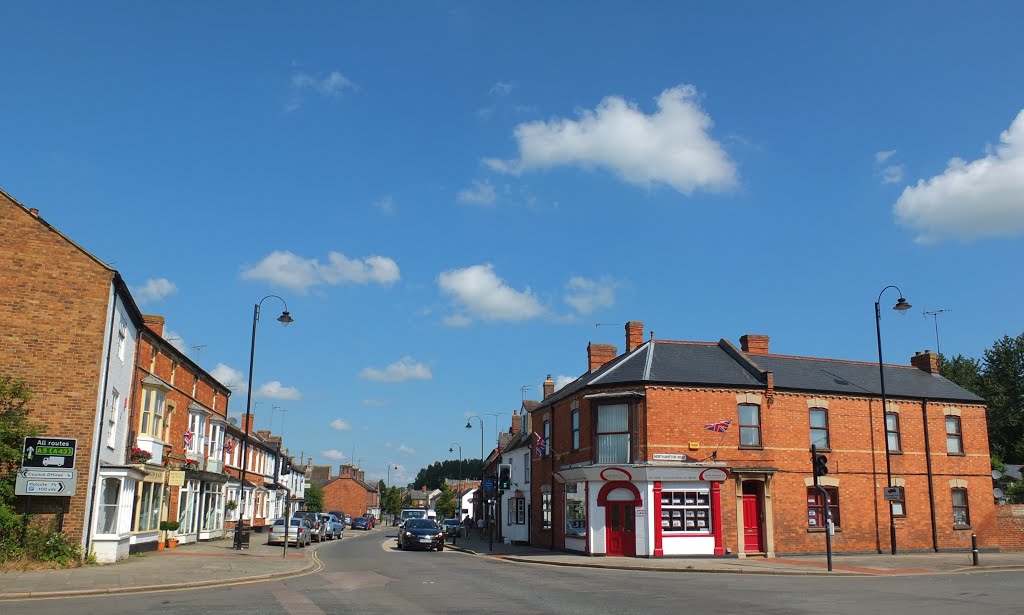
169, 526
997, 464
14, 427
391, 500
434, 475
445, 504
10, 534
1015, 492
999, 379
314, 497
45, 544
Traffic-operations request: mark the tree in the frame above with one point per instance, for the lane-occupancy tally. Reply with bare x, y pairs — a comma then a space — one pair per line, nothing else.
445, 503
14, 428
314, 497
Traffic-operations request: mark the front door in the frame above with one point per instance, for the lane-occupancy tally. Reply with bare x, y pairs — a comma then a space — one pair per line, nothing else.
620, 529
752, 524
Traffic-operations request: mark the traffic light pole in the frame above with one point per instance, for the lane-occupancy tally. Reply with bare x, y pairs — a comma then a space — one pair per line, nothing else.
819, 469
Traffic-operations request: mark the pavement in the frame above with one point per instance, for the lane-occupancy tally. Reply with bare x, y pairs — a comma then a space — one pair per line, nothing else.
217, 563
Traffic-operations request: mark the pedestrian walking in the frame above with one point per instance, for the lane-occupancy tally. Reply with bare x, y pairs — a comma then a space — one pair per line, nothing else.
467, 525
481, 525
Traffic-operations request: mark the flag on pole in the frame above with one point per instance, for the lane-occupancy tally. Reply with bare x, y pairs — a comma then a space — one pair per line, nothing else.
719, 426
229, 445
541, 447
187, 439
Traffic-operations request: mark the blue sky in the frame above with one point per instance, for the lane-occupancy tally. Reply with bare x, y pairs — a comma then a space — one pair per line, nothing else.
451, 195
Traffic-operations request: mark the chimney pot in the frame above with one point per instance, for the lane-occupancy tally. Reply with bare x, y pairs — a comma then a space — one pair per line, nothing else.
34, 212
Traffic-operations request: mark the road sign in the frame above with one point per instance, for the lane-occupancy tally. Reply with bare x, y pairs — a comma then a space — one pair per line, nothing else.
45, 482
893, 494
57, 453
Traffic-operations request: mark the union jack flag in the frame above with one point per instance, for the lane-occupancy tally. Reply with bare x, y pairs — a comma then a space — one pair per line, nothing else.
719, 426
541, 447
229, 445
187, 439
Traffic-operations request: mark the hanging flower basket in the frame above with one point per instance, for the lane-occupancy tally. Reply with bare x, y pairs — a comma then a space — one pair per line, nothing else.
139, 455
190, 465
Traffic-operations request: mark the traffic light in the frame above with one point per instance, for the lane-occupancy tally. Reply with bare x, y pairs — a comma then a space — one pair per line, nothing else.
505, 476
820, 469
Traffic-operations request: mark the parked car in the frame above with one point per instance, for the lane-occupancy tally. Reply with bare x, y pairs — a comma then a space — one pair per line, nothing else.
348, 520
299, 532
361, 523
452, 527
315, 522
421, 534
335, 528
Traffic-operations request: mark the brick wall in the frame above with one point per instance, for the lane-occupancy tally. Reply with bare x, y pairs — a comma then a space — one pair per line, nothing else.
346, 495
53, 314
1009, 527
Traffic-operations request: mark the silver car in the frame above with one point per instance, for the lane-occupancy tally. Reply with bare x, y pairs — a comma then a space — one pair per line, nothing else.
299, 532
335, 527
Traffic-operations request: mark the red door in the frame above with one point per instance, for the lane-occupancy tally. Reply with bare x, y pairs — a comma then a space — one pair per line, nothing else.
620, 529
752, 524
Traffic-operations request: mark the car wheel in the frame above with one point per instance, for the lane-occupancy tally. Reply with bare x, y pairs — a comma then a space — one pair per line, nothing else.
440, 547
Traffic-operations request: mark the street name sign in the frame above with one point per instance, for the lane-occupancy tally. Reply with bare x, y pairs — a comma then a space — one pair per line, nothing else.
57, 453
45, 482
893, 494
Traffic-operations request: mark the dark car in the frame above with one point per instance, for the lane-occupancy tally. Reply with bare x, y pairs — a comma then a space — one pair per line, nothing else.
421, 534
452, 527
361, 523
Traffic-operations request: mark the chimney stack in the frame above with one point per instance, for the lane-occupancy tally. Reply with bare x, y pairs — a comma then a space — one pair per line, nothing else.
154, 323
599, 354
517, 423
754, 344
634, 334
926, 361
549, 387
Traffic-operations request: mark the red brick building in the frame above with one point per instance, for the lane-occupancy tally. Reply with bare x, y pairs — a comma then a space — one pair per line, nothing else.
350, 493
682, 448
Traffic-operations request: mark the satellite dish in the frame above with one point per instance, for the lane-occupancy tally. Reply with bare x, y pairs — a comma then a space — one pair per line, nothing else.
997, 492
996, 475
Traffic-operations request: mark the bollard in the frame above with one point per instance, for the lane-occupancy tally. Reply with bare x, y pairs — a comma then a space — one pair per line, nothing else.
974, 549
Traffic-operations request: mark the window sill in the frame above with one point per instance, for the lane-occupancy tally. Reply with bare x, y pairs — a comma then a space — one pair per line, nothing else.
956, 454
751, 447
962, 527
895, 452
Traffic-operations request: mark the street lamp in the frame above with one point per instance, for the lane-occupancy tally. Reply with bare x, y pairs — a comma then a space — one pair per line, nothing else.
452, 450
901, 306
469, 425
285, 319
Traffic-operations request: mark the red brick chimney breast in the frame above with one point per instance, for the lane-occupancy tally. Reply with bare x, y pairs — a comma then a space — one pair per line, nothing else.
517, 423
599, 354
154, 323
754, 344
926, 361
634, 334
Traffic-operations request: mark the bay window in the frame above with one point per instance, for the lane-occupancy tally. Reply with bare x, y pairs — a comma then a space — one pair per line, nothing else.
613, 433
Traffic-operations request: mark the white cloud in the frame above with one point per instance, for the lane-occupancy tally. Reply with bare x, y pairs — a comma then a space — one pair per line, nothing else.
478, 291
561, 380
482, 193
587, 295
154, 289
406, 450
385, 205
501, 88
401, 370
340, 425
275, 390
334, 454
331, 86
892, 174
671, 146
971, 199
300, 274
881, 157
229, 377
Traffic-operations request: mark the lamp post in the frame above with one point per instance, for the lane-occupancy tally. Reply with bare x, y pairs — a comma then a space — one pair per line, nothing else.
901, 305
469, 425
285, 319
452, 450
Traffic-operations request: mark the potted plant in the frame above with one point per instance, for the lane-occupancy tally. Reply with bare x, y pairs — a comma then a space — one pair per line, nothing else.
170, 526
190, 464
139, 455
230, 505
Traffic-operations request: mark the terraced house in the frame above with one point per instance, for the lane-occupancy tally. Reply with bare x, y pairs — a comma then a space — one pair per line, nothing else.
683, 448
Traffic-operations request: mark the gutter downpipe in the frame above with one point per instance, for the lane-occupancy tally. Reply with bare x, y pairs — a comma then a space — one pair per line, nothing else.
931, 486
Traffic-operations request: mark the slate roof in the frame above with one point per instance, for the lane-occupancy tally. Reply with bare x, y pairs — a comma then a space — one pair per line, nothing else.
723, 365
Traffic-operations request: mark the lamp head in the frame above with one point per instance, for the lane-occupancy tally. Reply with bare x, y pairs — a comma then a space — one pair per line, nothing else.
901, 305
451, 450
469, 425
286, 318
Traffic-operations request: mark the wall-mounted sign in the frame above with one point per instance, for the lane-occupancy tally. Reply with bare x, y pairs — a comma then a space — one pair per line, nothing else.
670, 457
57, 453
45, 482
714, 474
610, 474
176, 478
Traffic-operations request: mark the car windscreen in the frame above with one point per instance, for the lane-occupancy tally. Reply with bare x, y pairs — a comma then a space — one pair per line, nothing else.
421, 524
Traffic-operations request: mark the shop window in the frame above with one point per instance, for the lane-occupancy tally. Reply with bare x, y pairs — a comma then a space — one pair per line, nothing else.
148, 505
575, 509
750, 425
954, 436
545, 510
892, 431
961, 511
819, 428
613, 434
816, 508
686, 511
